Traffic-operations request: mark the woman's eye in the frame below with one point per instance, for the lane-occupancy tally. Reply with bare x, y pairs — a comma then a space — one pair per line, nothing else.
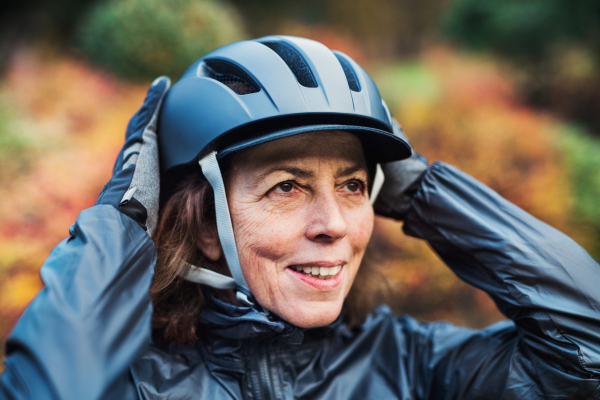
285, 187
353, 186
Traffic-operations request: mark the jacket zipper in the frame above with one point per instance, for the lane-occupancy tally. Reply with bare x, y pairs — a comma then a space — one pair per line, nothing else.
266, 385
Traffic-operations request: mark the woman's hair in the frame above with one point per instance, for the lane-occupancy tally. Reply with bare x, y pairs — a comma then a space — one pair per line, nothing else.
178, 303
183, 218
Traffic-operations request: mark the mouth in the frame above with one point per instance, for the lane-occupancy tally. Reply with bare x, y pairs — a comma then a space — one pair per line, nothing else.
323, 273
323, 276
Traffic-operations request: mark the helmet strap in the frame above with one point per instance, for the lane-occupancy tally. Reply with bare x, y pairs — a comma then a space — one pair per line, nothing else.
377, 183
210, 278
212, 172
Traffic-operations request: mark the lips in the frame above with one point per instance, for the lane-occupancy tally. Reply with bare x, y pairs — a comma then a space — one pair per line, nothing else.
326, 275
317, 272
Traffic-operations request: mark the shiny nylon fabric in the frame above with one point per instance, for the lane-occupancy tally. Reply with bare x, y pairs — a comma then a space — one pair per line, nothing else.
86, 335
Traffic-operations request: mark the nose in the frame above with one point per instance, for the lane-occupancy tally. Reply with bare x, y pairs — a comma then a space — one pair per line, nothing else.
326, 220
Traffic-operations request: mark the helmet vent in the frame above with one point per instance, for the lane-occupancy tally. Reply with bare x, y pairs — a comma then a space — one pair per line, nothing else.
351, 77
230, 75
295, 62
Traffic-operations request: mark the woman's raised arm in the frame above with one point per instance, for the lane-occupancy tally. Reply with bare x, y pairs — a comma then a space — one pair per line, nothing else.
539, 278
78, 337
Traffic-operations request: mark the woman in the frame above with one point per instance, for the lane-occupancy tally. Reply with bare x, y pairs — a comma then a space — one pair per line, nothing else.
248, 287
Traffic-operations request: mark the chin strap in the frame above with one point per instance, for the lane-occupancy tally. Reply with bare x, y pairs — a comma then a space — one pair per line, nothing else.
210, 278
215, 280
212, 172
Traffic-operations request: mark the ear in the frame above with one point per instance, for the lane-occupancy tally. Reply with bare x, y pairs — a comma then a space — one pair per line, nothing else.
210, 245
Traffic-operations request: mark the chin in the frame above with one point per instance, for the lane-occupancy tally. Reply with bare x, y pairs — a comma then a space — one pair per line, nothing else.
312, 315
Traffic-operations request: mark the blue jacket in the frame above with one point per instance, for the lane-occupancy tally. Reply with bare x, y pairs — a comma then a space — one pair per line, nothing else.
87, 333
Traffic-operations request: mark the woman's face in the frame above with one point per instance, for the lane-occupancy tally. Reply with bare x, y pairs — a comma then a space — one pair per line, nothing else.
302, 221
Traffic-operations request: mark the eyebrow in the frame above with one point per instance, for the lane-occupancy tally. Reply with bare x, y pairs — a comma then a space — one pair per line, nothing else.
301, 173
349, 171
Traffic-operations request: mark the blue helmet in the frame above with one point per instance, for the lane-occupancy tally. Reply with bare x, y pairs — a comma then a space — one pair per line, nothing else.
251, 92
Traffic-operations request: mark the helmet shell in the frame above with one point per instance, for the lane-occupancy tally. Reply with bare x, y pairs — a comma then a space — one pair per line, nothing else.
250, 92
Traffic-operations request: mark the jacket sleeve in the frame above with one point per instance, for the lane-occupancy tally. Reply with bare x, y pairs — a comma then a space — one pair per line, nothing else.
539, 278
78, 337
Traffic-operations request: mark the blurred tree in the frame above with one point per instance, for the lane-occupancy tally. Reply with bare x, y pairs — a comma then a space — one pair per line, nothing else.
142, 39
555, 45
392, 27
527, 29
16, 150
26, 21
583, 163
383, 28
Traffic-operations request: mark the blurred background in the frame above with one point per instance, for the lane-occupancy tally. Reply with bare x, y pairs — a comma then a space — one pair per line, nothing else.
508, 91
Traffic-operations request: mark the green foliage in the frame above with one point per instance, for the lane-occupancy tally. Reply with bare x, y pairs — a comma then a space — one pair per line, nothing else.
15, 146
522, 28
409, 82
583, 157
143, 39
554, 45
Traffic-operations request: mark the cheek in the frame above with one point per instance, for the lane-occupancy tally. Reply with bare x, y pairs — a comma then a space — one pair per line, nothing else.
265, 240
262, 234
360, 230
360, 227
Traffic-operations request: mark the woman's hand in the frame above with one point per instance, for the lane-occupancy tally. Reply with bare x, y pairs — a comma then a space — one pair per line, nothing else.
134, 186
394, 198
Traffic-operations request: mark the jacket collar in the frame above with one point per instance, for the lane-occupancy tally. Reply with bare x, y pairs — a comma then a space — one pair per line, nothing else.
229, 321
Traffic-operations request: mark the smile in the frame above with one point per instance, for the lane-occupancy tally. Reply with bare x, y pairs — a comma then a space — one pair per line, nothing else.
323, 276
323, 273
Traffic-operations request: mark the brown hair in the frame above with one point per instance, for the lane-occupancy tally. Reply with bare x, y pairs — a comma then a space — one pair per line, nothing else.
178, 303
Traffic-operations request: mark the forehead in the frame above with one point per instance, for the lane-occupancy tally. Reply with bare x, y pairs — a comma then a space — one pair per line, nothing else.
325, 145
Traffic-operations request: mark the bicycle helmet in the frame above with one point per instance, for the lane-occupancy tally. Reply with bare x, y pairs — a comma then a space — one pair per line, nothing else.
255, 91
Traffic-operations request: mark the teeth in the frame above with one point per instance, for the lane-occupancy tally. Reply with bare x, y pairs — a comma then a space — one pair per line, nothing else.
319, 272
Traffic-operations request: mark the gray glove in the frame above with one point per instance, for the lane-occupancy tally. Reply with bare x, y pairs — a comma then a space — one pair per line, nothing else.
134, 186
394, 198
